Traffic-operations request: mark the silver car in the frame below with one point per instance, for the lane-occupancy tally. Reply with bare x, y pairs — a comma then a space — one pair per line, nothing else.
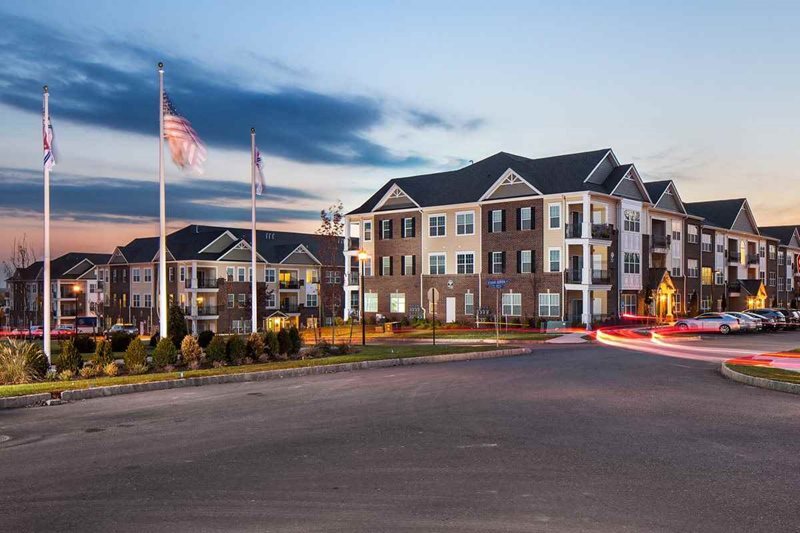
710, 323
747, 323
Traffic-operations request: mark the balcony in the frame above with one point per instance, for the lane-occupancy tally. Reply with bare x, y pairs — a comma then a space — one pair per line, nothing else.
290, 308
205, 283
573, 276
352, 278
660, 242
207, 310
734, 257
753, 259
573, 231
602, 231
289, 285
601, 276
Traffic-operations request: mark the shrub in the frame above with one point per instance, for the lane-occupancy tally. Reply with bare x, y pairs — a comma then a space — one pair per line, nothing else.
21, 362
284, 343
85, 344
271, 345
344, 348
90, 371
176, 325
237, 349
135, 356
295, 340
120, 341
70, 358
216, 351
165, 353
111, 369
66, 375
255, 345
102, 353
137, 369
204, 338
154, 340
191, 353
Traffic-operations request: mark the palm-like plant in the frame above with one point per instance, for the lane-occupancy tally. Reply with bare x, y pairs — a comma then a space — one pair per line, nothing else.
21, 362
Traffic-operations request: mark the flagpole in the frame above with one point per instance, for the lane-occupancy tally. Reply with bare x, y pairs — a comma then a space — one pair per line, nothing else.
162, 245
253, 276
46, 314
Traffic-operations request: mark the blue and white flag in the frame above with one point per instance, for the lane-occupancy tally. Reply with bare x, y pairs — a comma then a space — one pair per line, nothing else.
49, 143
262, 182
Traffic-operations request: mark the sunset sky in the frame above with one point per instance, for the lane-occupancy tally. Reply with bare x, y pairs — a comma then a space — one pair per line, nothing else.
345, 95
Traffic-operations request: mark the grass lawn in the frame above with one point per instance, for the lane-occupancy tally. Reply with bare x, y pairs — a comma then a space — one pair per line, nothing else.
775, 374
475, 334
367, 353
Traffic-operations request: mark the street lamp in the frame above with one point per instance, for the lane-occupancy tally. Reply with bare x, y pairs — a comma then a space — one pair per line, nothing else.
76, 289
362, 259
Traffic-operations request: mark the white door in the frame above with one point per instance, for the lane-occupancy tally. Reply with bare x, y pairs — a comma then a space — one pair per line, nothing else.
451, 309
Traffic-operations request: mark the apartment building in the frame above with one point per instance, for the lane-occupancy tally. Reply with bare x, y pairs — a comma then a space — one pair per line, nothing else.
788, 263
578, 238
75, 290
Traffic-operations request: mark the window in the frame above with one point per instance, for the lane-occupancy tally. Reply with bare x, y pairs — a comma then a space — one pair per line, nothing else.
498, 262
148, 275
525, 265
269, 275
469, 304
676, 302
465, 263
512, 304
676, 235
691, 237
781, 283
465, 223
137, 302
497, 219
720, 248
333, 277
631, 263
676, 271
549, 304
229, 273
707, 276
706, 245
554, 216
772, 252
368, 267
311, 300
705, 303
762, 251
386, 229
397, 302
436, 225
632, 220
367, 231
408, 266
241, 275
772, 278
554, 257
436, 264
386, 266
781, 258
148, 300
171, 274
692, 268
242, 300
371, 302
236, 326
269, 301
627, 305
135, 276
525, 218
408, 227
312, 275
719, 278
182, 273
231, 300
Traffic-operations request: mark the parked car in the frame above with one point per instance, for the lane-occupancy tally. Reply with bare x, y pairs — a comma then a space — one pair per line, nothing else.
20, 333
128, 329
792, 320
86, 325
748, 323
64, 331
710, 323
766, 322
780, 320
37, 332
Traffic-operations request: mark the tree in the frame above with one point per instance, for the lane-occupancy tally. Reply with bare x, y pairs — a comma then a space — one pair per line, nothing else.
331, 229
176, 325
22, 256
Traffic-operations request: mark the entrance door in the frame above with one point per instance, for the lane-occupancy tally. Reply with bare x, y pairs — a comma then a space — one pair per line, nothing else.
450, 314
576, 310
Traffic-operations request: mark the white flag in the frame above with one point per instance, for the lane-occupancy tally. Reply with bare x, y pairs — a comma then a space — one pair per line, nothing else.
49, 143
262, 182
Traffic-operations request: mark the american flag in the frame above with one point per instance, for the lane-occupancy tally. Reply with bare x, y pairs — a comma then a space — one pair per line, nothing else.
48, 142
188, 151
262, 182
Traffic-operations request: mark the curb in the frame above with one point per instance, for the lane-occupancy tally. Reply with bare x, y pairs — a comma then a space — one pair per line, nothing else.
264, 375
781, 386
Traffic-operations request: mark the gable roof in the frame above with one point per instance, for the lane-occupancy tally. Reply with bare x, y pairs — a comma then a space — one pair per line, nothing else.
549, 175
719, 213
64, 266
784, 234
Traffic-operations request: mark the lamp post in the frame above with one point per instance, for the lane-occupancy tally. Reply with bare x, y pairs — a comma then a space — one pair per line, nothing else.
76, 289
362, 259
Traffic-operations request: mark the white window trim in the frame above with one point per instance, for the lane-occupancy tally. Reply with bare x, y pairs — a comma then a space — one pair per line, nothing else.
530, 210
474, 265
463, 213
392, 296
530, 262
472, 296
364, 232
549, 305
560, 262
550, 218
429, 225
503, 304
431, 254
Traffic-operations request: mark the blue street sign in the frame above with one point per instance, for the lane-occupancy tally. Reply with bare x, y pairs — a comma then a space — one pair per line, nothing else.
496, 283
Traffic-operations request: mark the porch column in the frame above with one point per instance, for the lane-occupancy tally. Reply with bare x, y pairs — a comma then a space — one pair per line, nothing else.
668, 311
586, 275
587, 307
587, 218
193, 298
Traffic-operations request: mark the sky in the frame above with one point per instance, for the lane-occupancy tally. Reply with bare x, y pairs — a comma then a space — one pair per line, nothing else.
346, 95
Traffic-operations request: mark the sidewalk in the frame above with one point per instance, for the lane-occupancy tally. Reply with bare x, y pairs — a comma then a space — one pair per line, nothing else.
569, 338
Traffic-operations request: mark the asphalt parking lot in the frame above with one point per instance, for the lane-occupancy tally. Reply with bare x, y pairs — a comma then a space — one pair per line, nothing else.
766, 341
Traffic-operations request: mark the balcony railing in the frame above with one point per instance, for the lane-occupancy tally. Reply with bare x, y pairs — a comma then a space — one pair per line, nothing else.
660, 241
601, 276
202, 284
753, 259
602, 231
294, 284
352, 278
207, 310
290, 308
573, 276
573, 231
734, 257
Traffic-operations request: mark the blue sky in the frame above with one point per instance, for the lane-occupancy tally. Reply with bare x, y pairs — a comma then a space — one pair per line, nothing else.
346, 95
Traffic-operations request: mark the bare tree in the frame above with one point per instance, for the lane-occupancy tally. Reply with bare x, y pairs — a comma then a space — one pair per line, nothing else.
331, 229
22, 256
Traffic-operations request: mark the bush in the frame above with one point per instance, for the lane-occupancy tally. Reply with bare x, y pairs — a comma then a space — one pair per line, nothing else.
120, 341
66, 375
85, 344
295, 340
237, 349
154, 340
165, 353
255, 346
102, 353
344, 348
70, 358
111, 369
176, 325
284, 343
204, 338
21, 362
271, 345
135, 357
90, 371
191, 353
216, 351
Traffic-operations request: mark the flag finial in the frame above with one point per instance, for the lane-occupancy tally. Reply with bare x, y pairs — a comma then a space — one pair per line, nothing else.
160, 65
44, 88
252, 130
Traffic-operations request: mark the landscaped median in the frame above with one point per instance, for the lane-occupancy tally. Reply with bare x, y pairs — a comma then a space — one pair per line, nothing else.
765, 371
365, 357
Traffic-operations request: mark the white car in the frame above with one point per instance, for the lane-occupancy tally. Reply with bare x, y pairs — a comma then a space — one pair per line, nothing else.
710, 323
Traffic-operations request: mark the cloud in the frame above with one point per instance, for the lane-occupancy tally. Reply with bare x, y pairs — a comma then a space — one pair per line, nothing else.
113, 84
101, 199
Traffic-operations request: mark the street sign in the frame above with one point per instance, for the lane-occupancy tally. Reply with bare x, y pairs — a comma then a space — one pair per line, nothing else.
496, 283
433, 295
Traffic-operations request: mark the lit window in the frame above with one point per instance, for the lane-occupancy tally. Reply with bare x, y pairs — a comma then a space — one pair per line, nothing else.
371, 302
